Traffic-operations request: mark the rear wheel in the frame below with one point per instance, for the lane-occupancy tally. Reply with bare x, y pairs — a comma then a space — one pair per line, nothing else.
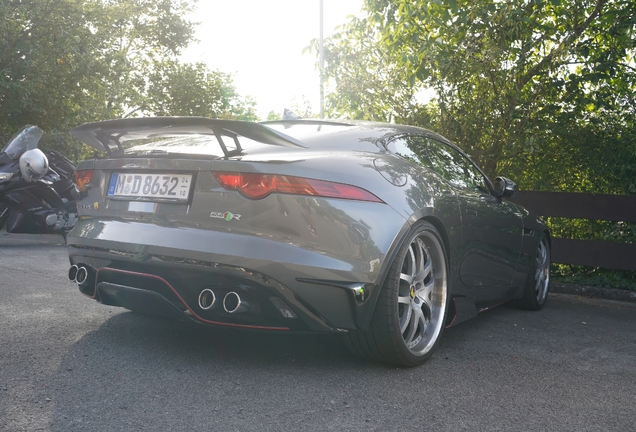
535, 293
409, 316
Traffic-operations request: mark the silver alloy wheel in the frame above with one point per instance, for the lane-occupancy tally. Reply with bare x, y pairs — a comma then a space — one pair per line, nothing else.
542, 271
422, 293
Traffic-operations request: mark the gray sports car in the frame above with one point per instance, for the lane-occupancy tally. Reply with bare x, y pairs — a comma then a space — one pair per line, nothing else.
384, 233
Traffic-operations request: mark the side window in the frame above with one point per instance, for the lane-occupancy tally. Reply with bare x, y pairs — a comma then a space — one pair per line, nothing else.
405, 147
456, 167
442, 158
413, 148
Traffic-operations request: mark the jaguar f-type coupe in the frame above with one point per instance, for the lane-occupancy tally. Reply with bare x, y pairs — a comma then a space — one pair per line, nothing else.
386, 234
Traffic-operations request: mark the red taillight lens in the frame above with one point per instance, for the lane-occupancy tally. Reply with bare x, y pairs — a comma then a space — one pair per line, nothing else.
257, 186
83, 178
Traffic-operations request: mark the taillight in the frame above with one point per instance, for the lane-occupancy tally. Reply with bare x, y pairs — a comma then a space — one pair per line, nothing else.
83, 178
257, 186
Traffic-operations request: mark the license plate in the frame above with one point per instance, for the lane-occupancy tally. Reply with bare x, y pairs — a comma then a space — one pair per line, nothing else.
150, 187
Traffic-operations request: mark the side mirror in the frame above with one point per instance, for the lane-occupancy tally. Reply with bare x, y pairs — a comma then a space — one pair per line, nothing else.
504, 187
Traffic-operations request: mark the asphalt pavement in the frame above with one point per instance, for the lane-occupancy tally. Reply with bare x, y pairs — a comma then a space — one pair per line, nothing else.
68, 363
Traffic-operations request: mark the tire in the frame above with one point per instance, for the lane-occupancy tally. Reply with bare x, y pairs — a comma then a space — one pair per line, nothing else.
535, 292
409, 316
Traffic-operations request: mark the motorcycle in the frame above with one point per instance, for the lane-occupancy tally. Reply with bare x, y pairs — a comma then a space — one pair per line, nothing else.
37, 189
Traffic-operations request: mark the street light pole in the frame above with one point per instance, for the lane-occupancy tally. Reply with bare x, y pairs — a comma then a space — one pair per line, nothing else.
322, 69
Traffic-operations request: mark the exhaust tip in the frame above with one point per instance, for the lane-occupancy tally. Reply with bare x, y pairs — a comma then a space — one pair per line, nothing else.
72, 273
207, 299
81, 275
233, 303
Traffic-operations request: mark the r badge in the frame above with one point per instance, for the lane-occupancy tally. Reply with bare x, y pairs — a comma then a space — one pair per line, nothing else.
228, 216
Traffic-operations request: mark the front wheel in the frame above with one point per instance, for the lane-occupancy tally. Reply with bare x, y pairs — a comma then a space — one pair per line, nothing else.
535, 292
409, 316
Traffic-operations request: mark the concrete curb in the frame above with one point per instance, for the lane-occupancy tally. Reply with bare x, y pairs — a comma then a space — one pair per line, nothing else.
590, 291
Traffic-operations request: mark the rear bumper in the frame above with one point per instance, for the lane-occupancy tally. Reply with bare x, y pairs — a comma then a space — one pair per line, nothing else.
329, 282
169, 286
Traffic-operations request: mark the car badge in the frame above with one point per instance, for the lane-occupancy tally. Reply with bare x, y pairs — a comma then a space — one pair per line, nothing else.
228, 216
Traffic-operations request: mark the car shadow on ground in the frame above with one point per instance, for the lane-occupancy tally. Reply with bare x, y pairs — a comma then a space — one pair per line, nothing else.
169, 340
136, 364
137, 372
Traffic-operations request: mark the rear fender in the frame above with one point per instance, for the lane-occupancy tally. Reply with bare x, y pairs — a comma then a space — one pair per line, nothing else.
364, 312
364, 315
457, 314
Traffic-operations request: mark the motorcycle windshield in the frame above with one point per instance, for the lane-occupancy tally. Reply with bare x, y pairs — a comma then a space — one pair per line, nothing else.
26, 139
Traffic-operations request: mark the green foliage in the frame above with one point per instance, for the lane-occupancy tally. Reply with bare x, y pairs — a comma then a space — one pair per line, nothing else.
509, 77
364, 84
540, 91
67, 62
66, 144
587, 229
302, 108
272, 116
193, 90
591, 276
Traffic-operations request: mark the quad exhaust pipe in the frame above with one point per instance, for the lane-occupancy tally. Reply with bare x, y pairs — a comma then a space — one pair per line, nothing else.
81, 276
232, 301
72, 273
78, 274
207, 299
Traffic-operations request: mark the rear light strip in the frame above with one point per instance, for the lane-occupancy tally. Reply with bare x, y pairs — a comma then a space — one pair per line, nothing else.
257, 186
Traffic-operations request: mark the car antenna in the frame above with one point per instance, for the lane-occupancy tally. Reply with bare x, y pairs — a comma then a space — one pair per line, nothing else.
290, 115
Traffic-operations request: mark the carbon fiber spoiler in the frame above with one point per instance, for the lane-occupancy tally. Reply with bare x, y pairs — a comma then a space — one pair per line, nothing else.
110, 134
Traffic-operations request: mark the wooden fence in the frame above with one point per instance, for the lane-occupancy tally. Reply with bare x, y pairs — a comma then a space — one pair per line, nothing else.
592, 253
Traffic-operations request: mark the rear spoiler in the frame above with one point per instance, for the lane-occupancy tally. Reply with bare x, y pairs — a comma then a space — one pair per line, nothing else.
110, 134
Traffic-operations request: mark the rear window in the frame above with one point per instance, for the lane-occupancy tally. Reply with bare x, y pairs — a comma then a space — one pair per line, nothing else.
188, 144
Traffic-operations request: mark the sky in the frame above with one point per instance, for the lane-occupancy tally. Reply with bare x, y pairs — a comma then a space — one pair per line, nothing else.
261, 42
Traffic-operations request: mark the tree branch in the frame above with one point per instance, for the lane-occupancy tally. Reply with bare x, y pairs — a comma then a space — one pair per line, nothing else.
576, 32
